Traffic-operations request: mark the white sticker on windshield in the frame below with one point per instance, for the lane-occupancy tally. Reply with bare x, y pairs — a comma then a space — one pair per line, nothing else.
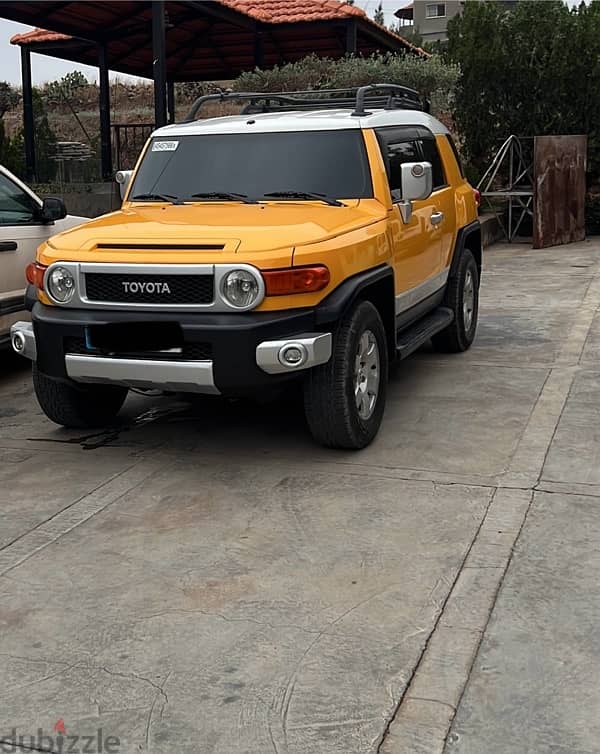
164, 146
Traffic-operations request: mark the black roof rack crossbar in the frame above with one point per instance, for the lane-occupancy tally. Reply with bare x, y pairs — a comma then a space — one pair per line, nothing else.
377, 96
409, 98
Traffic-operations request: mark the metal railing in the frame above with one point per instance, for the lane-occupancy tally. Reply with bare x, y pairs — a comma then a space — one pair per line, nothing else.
127, 142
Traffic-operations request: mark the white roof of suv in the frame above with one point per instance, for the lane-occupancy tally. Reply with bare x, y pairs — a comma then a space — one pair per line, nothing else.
313, 120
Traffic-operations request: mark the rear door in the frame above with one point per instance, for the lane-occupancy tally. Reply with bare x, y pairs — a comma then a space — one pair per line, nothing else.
20, 234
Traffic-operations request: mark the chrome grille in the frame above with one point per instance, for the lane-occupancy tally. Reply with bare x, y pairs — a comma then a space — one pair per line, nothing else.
149, 289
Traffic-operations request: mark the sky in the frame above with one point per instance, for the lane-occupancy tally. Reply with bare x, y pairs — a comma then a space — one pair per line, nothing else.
48, 69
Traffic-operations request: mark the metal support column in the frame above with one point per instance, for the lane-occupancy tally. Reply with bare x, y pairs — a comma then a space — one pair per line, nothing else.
104, 103
171, 100
159, 63
351, 37
28, 119
259, 52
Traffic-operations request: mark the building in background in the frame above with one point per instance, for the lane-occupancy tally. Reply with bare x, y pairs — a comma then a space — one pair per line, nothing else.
430, 19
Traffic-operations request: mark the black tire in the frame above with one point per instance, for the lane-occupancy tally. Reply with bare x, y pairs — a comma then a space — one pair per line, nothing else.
459, 335
329, 390
77, 406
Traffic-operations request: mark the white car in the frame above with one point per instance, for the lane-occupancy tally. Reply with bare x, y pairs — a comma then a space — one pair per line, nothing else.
25, 221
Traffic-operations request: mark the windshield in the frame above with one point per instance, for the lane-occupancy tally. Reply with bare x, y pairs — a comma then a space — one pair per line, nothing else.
331, 163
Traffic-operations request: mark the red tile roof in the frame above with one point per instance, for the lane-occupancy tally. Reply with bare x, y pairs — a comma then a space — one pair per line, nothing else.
290, 11
38, 35
266, 11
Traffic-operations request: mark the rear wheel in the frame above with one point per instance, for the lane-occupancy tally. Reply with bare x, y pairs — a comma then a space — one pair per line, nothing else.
344, 399
77, 406
462, 296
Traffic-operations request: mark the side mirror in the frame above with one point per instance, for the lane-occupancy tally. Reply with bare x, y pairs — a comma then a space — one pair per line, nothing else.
123, 177
52, 209
417, 183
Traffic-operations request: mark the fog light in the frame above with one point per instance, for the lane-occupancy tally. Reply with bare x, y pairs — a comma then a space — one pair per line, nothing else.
18, 342
61, 284
293, 355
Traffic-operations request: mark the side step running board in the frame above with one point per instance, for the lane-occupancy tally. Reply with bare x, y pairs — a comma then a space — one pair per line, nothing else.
410, 339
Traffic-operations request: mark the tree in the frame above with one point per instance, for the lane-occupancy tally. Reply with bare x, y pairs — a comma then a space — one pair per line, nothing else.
9, 97
9, 151
69, 88
379, 16
408, 33
45, 145
531, 71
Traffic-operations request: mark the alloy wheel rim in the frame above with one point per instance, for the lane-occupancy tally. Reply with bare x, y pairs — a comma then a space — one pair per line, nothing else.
468, 300
366, 375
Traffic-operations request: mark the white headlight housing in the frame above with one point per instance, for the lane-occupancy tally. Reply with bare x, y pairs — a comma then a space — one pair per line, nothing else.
60, 284
240, 288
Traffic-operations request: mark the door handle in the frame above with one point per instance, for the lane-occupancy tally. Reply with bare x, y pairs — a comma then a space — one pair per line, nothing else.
8, 245
436, 218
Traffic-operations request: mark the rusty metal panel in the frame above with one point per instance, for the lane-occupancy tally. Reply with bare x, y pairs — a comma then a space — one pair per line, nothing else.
559, 190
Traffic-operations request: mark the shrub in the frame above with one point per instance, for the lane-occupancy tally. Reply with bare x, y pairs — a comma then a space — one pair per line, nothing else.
433, 77
592, 214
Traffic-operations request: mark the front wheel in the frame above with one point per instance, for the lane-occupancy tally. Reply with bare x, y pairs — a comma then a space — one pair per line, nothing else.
462, 296
344, 399
77, 406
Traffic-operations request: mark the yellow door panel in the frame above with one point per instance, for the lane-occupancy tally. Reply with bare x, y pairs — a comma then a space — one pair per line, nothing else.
445, 231
415, 246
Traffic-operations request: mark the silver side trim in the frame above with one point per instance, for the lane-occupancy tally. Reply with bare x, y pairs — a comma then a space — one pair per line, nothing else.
410, 298
315, 347
184, 376
22, 339
219, 271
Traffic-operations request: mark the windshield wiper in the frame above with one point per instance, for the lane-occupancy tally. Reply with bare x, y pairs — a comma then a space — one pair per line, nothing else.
305, 195
230, 195
161, 197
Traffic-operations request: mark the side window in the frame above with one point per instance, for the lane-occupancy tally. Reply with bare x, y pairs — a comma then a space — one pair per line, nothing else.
432, 155
455, 150
398, 153
16, 207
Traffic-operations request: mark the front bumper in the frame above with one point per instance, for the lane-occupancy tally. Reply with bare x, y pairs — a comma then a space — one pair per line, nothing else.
247, 352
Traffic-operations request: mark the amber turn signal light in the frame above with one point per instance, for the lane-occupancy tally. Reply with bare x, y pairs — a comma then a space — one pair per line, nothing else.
295, 280
34, 273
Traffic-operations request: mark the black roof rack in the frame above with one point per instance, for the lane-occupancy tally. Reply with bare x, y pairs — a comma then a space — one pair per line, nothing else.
375, 96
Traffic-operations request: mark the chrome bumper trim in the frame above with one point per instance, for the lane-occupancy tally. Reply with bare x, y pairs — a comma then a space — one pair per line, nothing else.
316, 347
22, 339
183, 376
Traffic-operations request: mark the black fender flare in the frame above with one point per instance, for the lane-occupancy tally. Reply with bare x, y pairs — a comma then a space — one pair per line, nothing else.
376, 285
333, 307
470, 236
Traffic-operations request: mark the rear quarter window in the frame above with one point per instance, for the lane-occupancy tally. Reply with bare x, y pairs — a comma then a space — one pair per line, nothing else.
456, 155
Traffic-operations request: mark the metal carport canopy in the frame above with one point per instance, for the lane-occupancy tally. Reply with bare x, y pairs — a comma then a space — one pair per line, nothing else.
203, 40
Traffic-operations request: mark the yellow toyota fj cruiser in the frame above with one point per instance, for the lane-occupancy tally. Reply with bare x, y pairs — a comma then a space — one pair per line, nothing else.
314, 237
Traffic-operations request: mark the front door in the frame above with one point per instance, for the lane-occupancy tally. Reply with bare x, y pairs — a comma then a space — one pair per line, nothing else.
21, 232
416, 244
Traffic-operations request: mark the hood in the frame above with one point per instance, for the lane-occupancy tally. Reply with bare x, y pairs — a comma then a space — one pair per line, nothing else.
209, 232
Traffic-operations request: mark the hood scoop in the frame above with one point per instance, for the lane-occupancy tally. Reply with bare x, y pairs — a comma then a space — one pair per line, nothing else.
162, 246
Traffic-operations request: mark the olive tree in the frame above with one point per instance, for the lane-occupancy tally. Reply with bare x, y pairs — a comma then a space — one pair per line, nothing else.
532, 70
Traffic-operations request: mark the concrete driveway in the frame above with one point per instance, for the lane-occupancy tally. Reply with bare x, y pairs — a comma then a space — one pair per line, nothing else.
204, 579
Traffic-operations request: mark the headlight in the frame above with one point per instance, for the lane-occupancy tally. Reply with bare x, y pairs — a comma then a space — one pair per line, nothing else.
240, 288
61, 284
